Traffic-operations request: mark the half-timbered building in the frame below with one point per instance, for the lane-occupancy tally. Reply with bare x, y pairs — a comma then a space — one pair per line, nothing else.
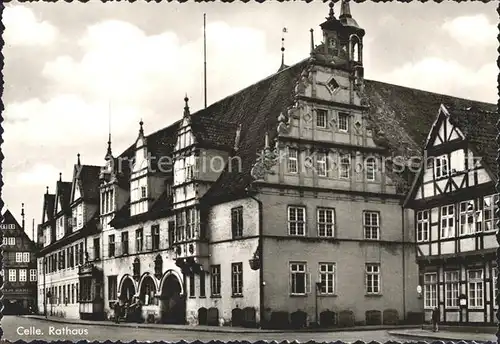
18, 266
455, 204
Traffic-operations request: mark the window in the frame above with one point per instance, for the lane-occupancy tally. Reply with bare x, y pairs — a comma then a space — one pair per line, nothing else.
371, 224
298, 279
467, 223
215, 280
19, 257
489, 212
430, 290
5, 241
237, 222
97, 248
111, 245
451, 288
372, 278
143, 192
475, 284
321, 117
292, 160
441, 166
12, 275
180, 226
12, 241
192, 286
423, 226
345, 166
296, 221
237, 279
138, 240
202, 283
343, 122
125, 243
33, 275
370, 169
321, 165
22, 275
155, 232
327, 278
326, 222
448, 221
112, 288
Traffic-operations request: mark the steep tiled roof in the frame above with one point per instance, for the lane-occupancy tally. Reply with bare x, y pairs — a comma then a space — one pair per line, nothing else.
210, 132
89, 178
478, 124
403, 116
48, 205
10, 219
64, 193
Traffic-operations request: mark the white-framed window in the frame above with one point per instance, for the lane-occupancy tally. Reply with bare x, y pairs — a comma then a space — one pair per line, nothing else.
467, 221
19, 257
422, 225
299, 279
345, 166
33, 275
237, 279
494, 280
215, 280
441, 166
22, 275
327, 278
292, 160
296, 220
12, 275
489, 213
371, 225
372, 278
451, 288
321, 164
321, 118
430, 290
343, 122
448, 221
5, 241
26, 257
476, 288
12, 241
326, 222
143, 192
371, 166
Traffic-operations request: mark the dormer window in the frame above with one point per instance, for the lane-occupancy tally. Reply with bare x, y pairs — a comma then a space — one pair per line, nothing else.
441, 166
332, 43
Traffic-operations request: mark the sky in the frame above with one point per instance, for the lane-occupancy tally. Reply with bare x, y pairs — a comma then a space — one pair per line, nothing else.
73, 68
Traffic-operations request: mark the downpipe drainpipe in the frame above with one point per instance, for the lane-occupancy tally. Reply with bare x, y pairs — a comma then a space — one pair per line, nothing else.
261, 257
404, 260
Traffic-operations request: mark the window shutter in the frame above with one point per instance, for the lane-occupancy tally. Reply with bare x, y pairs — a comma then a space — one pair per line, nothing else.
90, 249
308, 283
290, 289
149, 245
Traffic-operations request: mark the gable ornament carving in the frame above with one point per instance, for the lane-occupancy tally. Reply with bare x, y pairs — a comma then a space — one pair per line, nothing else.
264, 163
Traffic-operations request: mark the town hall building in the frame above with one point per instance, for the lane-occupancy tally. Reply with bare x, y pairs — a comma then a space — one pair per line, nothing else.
280, 205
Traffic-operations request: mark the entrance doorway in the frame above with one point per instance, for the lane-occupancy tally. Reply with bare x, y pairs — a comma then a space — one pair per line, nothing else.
172, 302
127, 291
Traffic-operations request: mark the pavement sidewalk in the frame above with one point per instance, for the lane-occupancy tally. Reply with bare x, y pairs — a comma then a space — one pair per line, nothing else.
220, 329
444, 335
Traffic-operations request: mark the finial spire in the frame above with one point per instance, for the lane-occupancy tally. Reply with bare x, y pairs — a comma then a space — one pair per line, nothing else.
60, 176
266, 141
47, 192
331, 14
78, 159
345, 10
186, 106
312, 40
109, 152
22, 214
283, 47
141, 129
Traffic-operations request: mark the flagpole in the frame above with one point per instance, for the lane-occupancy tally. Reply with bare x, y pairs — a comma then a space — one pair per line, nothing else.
205, 56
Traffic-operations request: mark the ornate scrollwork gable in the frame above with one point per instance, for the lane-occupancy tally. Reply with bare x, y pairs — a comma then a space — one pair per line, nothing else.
266, 160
